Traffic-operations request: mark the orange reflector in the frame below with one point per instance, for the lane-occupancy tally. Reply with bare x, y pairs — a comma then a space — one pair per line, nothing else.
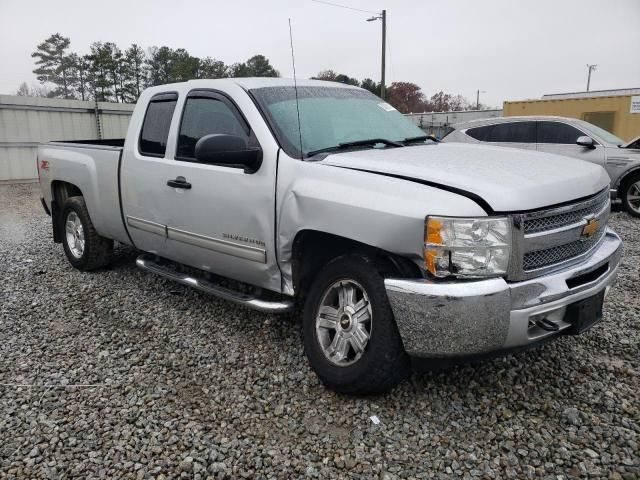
433, 231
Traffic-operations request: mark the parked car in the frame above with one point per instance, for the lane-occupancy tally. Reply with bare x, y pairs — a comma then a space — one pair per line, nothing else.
564, 136
324, 196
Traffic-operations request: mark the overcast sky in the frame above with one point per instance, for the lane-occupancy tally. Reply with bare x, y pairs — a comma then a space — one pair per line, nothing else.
510, 49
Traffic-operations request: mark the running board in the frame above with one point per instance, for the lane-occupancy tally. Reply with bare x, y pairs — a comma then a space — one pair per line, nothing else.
149, 263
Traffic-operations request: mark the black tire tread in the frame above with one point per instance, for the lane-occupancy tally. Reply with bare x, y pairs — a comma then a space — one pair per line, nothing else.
389, 364
624, 188
98, 250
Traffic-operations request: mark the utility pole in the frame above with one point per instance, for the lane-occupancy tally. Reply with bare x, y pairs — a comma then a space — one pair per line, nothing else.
383, 17
591, 68
478, 92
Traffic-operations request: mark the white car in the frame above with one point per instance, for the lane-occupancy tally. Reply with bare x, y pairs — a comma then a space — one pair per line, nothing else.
564, 136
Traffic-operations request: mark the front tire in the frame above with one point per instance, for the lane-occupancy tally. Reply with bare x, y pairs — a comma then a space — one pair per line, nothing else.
350, 336
85, 249
630, 195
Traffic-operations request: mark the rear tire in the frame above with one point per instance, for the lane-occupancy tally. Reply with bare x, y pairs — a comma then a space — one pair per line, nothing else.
630, 195
348, 290
85, 249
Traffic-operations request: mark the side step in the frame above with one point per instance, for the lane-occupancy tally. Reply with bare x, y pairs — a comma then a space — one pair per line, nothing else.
149, 263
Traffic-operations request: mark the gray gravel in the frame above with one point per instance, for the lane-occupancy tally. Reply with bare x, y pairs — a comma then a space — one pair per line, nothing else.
120, 374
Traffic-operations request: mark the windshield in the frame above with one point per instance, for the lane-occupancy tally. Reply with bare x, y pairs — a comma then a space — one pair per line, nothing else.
606, 137
330, 116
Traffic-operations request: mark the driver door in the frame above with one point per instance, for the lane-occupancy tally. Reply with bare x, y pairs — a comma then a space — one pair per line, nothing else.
560, 138
221, 219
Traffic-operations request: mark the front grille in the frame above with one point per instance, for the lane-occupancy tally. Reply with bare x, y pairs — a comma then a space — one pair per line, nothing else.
543, 223
553, 255
549, 239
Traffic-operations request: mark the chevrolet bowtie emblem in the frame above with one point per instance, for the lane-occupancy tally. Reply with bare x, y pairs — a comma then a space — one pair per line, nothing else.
590, 228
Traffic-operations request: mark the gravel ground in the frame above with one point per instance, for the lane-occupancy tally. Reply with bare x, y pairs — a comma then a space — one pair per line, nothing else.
120, 374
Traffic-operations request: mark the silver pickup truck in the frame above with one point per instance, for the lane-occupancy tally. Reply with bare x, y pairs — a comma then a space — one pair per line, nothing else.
397, 248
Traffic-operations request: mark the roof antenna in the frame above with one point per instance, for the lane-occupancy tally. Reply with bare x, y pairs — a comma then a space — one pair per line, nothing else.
295, 87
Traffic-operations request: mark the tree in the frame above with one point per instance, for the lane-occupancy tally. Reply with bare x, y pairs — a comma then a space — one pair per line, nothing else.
53, 64
406, 97
212, 68
98, 75
109, 74
256, 66
79, 71
182, 66
259, 66
370, 85
342, 78
134, 59
440, 102
458, 103
159, 65
34, 91
328, 75
23, 90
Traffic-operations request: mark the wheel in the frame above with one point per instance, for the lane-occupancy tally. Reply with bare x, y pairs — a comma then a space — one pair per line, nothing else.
350, 335
85, 249
630, 195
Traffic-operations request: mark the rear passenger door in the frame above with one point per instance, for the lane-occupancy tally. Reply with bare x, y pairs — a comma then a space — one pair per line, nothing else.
144, 172
517, 134
560, 138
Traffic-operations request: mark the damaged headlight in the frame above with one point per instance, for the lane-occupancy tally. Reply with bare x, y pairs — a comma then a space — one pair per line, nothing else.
467, 247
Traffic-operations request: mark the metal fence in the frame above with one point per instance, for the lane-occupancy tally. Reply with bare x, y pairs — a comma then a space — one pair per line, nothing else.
27, 121
439, 124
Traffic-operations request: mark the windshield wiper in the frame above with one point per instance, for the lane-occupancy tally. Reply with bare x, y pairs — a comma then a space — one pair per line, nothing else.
421, 138
357, 143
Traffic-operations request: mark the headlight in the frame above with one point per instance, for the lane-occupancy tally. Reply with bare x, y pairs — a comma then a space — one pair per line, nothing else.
467, 247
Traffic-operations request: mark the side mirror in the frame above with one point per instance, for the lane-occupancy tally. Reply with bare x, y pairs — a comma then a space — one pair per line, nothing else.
585, 141
230, 150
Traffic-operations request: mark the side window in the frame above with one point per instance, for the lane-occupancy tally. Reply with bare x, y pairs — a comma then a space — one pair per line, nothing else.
207, 115
480, 133
557, 132
514, 132
155, 127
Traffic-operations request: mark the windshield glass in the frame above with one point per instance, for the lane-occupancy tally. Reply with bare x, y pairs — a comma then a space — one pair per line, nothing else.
606, 137
330, 116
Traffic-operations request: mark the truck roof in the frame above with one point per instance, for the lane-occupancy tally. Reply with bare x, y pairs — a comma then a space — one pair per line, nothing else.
249, 83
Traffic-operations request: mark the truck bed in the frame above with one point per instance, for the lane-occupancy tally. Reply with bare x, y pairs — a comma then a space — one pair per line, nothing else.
93, 166
106, 142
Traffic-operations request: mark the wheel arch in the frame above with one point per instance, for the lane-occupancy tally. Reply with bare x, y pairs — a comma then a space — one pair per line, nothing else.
60, 191
312, 249
624, 177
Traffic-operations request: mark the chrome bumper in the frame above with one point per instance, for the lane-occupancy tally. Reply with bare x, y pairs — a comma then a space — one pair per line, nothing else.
462, 318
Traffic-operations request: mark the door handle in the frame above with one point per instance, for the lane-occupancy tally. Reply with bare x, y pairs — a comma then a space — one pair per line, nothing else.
179, 182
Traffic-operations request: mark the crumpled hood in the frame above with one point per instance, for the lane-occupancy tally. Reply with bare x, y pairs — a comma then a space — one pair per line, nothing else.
508, 179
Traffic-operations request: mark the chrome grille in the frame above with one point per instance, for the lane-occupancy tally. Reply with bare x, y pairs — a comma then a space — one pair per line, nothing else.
540, 224
561, 253
553, 238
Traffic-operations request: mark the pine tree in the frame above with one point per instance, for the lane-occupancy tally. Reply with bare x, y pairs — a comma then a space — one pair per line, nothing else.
134, 73
54, 65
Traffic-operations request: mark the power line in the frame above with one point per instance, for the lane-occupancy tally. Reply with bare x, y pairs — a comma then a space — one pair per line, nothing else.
345, 6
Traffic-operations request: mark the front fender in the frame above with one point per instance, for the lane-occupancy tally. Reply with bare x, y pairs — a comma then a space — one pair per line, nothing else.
383, 212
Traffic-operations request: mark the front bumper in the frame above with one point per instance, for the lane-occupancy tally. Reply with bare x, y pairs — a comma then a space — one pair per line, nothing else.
468, 318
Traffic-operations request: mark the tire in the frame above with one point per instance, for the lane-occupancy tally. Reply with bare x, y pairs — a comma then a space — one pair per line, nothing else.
383, 363
631, 188
92, 251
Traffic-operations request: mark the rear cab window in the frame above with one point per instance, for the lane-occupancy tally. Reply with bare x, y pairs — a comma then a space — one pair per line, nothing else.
155, 127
